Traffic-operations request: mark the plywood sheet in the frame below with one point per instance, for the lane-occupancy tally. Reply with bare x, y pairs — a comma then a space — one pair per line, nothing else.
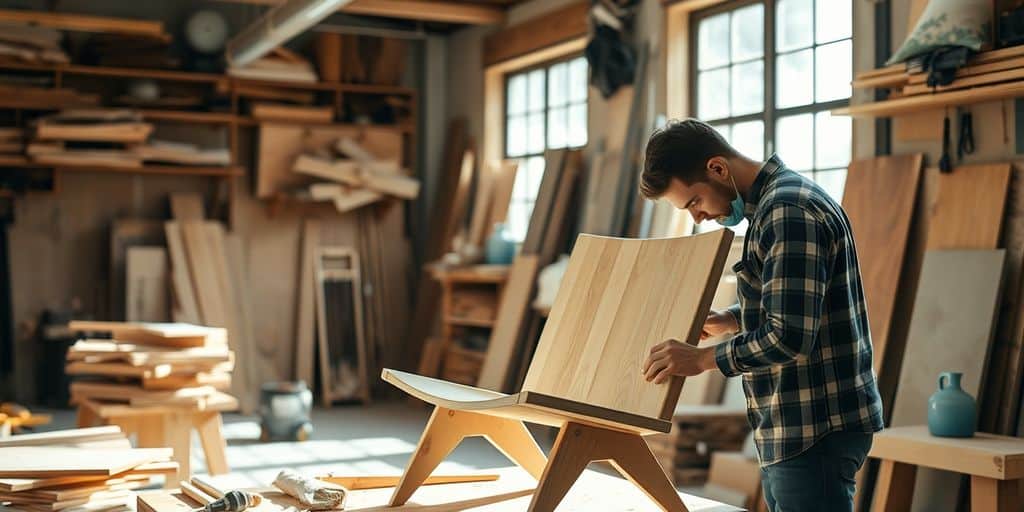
305, 318
184, 304
127, 233
30, 462
618, 299
950, 330
554, 161
508, 324
881, 234
146, 294
968, 209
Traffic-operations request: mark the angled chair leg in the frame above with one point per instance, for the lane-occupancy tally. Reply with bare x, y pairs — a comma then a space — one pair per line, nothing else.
578, 445
447, 428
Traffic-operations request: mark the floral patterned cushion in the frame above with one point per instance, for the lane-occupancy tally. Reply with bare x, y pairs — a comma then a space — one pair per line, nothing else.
948, 23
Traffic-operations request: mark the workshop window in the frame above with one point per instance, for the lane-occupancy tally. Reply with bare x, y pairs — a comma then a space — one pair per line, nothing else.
766, 75
545, 108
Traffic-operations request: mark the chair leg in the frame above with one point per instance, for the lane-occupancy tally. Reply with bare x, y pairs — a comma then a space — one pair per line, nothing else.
447, 428
211, 435
578, 445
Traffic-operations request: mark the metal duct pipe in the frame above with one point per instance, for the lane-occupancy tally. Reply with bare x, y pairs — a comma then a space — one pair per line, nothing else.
279, 24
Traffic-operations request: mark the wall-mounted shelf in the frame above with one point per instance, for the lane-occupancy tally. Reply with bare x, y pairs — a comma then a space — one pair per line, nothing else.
923, 102
13, 161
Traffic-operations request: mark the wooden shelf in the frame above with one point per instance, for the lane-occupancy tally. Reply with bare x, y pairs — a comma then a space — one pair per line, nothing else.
924, 102
184, 116
176, 170
469, 322
285, 84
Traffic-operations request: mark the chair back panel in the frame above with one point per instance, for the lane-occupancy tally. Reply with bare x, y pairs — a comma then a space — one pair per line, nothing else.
618, 298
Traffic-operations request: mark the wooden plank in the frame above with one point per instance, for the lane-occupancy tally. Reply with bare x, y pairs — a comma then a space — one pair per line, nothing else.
209, 295
987, 455
292, 114
460, 201
965, 197
240, 336
135, 395
117, 369
218, 381
556, 26
973, 69
918, 103
355, 483
187, 206
881, 243
353, 173
58, 437
482, 206
552, 244
951, 329
84, 23
43, 462
306, 316
549, 186
126, 233
968, 81
185, 308
106, 132
146, 294
264, 92
508, 325
503, 184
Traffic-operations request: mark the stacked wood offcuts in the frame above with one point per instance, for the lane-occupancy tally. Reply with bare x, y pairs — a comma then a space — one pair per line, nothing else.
280, 65
11, 141
151, 364
80, 470
698, 431
356, 178
31, 44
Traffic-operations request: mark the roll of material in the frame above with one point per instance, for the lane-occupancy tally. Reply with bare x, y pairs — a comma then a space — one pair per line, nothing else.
315, 494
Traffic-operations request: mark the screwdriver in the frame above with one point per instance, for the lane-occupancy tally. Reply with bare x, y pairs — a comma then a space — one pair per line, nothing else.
233, 501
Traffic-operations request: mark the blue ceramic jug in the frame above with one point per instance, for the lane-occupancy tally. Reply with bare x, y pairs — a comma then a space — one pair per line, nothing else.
951, 411
500, 249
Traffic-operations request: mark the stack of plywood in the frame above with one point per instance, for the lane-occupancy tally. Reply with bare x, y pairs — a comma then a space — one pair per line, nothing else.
984, 69
356, 179
34, 44
90, 137
698, 431
281, 65
88, 470
151, 364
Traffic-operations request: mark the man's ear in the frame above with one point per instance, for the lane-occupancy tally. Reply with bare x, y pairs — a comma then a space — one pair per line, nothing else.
718, 169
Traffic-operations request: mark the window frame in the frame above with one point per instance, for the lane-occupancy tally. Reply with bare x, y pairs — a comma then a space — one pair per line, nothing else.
507, 77
770, 114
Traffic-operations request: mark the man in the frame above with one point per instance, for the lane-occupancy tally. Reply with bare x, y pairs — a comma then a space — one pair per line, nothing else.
801, 339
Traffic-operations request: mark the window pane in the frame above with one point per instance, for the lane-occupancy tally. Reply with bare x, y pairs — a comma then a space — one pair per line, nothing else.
713, 42
577, 135
578, 79
794, 136
713, 94
748, 33
833, 182
515, 136
518, 219
748, 138
517, 94
748, 88
794, 80
558, 84
793, 26
535, 133
834, 68
536, 97
556, 127
834, 136
833, 20
725, 130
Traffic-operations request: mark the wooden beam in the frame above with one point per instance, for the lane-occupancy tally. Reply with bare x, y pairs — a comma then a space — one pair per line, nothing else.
423, 10
83, 23
546, 30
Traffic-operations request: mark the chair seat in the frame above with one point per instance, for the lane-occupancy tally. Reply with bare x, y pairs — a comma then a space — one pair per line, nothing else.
526, 405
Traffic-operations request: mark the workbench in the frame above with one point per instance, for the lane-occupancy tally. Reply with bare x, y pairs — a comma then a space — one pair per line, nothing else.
994, 463
511, 492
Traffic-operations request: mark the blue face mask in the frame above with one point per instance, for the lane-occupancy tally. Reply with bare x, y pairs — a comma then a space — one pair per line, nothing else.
736, 208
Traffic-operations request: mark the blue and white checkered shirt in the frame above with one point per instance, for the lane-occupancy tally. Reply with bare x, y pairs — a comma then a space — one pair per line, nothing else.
804, 349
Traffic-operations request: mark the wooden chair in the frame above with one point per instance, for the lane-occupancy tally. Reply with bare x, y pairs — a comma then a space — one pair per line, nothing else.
618, 298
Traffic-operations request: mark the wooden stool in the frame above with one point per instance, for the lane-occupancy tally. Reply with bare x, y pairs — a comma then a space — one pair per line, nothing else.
995, 464
167, 426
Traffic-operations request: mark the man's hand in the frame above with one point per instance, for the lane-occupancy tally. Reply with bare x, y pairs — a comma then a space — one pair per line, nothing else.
674, 357
717, 324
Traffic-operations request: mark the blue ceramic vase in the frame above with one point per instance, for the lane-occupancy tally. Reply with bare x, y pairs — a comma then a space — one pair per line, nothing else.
951, 411
500, 249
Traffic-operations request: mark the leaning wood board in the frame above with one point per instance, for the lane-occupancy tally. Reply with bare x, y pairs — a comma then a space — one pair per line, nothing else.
146, 293
549, 187
305, 318
57, 437
950, 330
184, 307
44, 462
881, 235
508, 324
968, 209
280, 145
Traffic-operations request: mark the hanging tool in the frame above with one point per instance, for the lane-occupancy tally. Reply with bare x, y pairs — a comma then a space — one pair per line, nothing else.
945, 163
233, 501
965, 141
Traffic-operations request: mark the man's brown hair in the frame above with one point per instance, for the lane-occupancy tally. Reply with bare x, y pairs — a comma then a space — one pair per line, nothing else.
681, 149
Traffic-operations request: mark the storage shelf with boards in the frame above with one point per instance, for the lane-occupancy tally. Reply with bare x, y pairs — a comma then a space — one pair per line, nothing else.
10, 161
469, 305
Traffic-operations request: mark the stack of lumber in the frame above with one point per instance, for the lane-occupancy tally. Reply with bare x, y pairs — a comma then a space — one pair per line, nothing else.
181, 153
150, 364
11, 141
90, 137
17, 95
356, 179
698, 431
280, 65
87, 470
33, 44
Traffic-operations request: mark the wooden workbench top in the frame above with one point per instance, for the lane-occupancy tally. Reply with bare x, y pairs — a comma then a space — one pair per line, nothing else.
986, 455
511, 492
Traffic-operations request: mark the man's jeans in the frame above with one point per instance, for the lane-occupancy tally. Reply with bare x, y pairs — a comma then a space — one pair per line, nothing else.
819, 479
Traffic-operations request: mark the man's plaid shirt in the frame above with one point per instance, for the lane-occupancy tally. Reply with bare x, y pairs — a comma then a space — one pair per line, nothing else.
804, 349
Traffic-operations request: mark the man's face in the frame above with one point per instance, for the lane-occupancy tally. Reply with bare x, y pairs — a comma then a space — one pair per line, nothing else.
704, 200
